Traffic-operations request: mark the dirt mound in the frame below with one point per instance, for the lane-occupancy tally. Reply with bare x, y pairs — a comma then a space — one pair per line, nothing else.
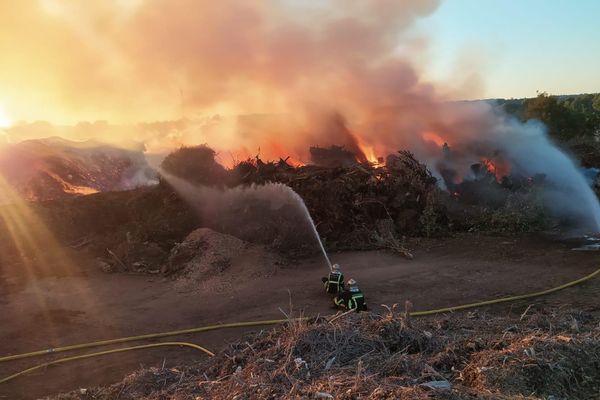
468, 356
215, 261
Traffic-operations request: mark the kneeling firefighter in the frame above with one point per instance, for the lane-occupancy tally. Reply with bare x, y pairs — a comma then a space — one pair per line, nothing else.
351, 298
334, 284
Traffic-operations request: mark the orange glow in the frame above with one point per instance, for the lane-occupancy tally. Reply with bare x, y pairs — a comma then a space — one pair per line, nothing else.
276, 149
295, 162
433, 138
370, 154
368, 151
498, 168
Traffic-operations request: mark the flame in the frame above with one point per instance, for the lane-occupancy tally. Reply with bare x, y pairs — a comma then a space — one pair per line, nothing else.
367, 150
295, 162
276, 149
272, 152
434, 138
499, 168
370, 154
71, 188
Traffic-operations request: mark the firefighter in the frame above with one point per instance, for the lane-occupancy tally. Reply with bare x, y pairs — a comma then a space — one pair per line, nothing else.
351, 298
334, 284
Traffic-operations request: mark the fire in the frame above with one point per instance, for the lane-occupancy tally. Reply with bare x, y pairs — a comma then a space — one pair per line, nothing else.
498, 168
275, 149
434, 138
368, 151
370, 154
295, 162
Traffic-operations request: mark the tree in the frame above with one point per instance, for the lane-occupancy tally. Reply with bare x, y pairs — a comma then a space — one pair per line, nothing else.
596, 103
562, 122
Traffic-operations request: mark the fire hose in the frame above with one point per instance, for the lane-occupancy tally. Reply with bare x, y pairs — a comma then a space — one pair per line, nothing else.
244, 324
101, 353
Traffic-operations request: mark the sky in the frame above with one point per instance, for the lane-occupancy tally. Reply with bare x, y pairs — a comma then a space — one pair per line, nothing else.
522, 46
128, 61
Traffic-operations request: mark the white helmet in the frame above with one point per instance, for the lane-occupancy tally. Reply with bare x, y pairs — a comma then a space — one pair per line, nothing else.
335, 267
351, 282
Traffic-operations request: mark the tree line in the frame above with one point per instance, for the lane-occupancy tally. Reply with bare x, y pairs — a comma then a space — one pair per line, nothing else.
567, 117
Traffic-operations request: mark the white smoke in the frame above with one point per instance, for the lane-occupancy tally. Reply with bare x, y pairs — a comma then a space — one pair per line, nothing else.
272, 214
528, 150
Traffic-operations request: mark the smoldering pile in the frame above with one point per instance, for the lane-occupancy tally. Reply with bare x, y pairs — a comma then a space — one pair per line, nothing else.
362, 205
354, 205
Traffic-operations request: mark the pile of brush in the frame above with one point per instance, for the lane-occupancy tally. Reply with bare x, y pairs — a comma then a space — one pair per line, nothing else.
354, 205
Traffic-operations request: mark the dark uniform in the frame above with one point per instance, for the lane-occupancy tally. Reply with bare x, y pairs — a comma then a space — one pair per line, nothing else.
352, 299
334, 284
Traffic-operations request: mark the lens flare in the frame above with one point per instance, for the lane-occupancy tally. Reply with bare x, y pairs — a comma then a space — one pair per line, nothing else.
5, 121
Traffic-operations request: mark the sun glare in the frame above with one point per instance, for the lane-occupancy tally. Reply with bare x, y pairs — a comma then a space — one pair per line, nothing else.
5, 121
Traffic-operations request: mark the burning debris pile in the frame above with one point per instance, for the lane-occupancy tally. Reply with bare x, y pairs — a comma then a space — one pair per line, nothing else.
357, 205
360, 205
547, 354
498, 203
56, 168
334, 156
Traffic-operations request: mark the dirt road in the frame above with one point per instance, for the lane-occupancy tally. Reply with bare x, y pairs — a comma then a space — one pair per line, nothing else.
84, 304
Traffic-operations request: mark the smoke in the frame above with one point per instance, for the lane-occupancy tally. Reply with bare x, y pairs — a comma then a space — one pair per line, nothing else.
530, 152
272, 76
298, 73
272, 214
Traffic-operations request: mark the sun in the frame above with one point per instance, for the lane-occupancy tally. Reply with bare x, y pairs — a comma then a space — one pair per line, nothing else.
5, 121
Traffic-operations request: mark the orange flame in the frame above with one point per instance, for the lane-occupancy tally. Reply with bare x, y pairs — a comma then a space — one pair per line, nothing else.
498, 168
368, 151
433, 138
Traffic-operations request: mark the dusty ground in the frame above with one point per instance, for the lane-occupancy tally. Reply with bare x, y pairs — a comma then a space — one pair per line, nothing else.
82, 304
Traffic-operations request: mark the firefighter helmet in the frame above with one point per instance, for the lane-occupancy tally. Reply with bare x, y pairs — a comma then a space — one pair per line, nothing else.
335, 267
351, 283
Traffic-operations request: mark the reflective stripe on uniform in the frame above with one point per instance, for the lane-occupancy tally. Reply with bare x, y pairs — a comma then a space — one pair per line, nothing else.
353, 303
338, 280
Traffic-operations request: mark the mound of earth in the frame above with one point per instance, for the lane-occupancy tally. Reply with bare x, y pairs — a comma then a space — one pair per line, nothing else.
548, 354
217, 260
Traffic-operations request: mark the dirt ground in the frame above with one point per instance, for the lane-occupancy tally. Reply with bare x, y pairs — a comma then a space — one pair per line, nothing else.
82, 304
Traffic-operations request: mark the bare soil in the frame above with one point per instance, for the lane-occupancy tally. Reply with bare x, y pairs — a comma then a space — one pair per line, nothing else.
73, 301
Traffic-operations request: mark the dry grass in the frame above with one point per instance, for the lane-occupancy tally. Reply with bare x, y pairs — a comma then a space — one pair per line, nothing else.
537, 355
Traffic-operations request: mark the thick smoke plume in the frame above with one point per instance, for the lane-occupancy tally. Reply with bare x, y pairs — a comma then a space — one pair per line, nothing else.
281, 75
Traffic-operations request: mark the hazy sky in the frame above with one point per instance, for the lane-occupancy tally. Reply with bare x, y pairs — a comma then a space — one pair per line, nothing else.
521, 45
137, 60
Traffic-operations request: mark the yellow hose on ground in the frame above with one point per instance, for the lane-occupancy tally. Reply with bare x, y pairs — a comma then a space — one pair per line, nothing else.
82, 356
246, 324
141, 337
507, 299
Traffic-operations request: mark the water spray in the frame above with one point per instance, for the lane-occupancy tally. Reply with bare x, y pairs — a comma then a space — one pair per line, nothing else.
214, 203
312, 224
